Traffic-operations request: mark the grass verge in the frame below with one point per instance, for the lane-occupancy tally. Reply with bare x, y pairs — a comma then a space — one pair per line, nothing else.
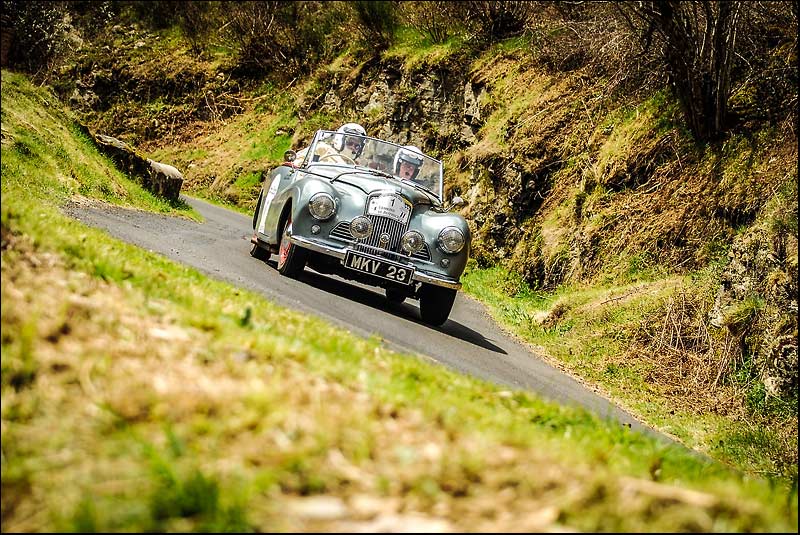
598, 334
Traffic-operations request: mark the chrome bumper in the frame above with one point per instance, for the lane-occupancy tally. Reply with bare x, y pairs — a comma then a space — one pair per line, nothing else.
419, 276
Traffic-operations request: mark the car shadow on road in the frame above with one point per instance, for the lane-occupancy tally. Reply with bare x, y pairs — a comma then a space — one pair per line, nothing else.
371, 298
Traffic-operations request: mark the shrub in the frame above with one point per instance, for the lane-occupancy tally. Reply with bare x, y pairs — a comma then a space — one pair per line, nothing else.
40, 33
286, 39
436, 20
376, 21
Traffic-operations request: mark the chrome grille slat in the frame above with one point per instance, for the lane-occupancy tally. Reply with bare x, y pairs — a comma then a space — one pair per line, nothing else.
342, 231
384, 225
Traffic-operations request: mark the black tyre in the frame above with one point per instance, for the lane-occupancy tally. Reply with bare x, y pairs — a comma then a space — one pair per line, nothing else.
256, 251
395, 296
291, 258
435, 304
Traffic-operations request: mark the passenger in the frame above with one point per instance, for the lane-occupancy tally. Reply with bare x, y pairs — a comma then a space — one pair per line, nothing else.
408, 162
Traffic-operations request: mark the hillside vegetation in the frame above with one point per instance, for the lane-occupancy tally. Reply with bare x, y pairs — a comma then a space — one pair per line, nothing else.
138, 395
644, 243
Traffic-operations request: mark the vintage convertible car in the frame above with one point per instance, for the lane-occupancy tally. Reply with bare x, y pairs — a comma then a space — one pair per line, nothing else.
344, 209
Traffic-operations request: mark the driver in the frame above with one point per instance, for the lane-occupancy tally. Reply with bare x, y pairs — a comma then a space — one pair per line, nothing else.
349, 147
407, 162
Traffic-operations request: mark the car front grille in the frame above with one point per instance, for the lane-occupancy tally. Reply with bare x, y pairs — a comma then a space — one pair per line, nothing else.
342, 232
380, 225
387, 229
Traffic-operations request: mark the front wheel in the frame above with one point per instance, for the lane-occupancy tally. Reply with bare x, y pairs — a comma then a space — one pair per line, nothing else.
435, 303
291, 258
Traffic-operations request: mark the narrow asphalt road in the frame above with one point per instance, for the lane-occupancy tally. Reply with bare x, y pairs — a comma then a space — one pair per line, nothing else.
469, 342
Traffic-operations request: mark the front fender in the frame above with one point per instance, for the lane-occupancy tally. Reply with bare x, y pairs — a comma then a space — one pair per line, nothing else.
431, 223
292, 196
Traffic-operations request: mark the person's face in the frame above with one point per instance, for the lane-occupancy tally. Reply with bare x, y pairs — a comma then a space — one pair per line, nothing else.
407, 170
352, 144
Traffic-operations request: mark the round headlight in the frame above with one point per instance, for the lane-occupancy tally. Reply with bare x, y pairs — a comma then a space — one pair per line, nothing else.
451, 240
412, 242
322, 206
361, 227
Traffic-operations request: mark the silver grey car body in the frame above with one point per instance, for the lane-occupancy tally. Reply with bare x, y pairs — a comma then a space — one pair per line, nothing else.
348, 214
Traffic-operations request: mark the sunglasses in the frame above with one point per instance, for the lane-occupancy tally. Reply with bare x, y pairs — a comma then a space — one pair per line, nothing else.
352, 144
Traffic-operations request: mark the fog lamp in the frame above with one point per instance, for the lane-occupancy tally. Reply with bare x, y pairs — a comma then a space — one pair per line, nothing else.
361, 227
412, 242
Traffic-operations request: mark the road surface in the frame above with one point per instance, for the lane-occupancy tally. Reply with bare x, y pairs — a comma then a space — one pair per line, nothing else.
469, 342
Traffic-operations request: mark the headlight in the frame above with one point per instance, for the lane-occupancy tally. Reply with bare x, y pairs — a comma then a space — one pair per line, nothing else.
322, 206
412, 242
451, 240
361, 227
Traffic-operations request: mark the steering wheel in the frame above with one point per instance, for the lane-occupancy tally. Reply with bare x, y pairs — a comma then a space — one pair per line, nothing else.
346, 157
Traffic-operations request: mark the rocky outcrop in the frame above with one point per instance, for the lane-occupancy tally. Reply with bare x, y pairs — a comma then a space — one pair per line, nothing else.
159, 178
442, 110
757, 300
422, 108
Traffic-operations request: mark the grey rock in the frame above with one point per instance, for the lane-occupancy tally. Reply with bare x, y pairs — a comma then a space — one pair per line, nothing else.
159, 178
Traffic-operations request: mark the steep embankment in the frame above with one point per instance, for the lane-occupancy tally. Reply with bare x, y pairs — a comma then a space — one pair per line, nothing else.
662, 271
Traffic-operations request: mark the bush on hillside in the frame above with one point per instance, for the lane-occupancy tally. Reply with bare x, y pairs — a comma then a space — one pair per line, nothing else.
154, 14
283, 38
766, 71
197, 22
567, 37
376, 22
712, 50
435, 20
490, 21
40, 34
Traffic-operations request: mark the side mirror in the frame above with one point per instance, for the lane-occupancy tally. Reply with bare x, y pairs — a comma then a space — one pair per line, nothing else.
289, 155
457, 202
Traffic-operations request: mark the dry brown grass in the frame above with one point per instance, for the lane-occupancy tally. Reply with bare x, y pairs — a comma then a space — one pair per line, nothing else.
696, 368
691, 364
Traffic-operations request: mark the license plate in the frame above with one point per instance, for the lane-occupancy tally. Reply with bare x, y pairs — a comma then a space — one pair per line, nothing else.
390, 206
379, 268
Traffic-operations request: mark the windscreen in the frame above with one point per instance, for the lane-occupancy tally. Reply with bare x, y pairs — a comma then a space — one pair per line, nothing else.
396, 161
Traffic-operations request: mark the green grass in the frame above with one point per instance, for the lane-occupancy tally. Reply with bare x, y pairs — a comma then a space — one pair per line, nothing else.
226, 167
418, 52
246, 407
46, 155
589, 331
268, 145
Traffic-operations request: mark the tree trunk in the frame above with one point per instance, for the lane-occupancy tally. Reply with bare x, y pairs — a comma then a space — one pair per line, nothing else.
700, 41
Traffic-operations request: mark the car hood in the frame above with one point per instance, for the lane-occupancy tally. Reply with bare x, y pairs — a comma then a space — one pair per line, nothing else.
369, 182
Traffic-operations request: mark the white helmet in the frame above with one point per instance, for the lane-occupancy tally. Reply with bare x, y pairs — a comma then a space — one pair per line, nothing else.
409, 154
340, 139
